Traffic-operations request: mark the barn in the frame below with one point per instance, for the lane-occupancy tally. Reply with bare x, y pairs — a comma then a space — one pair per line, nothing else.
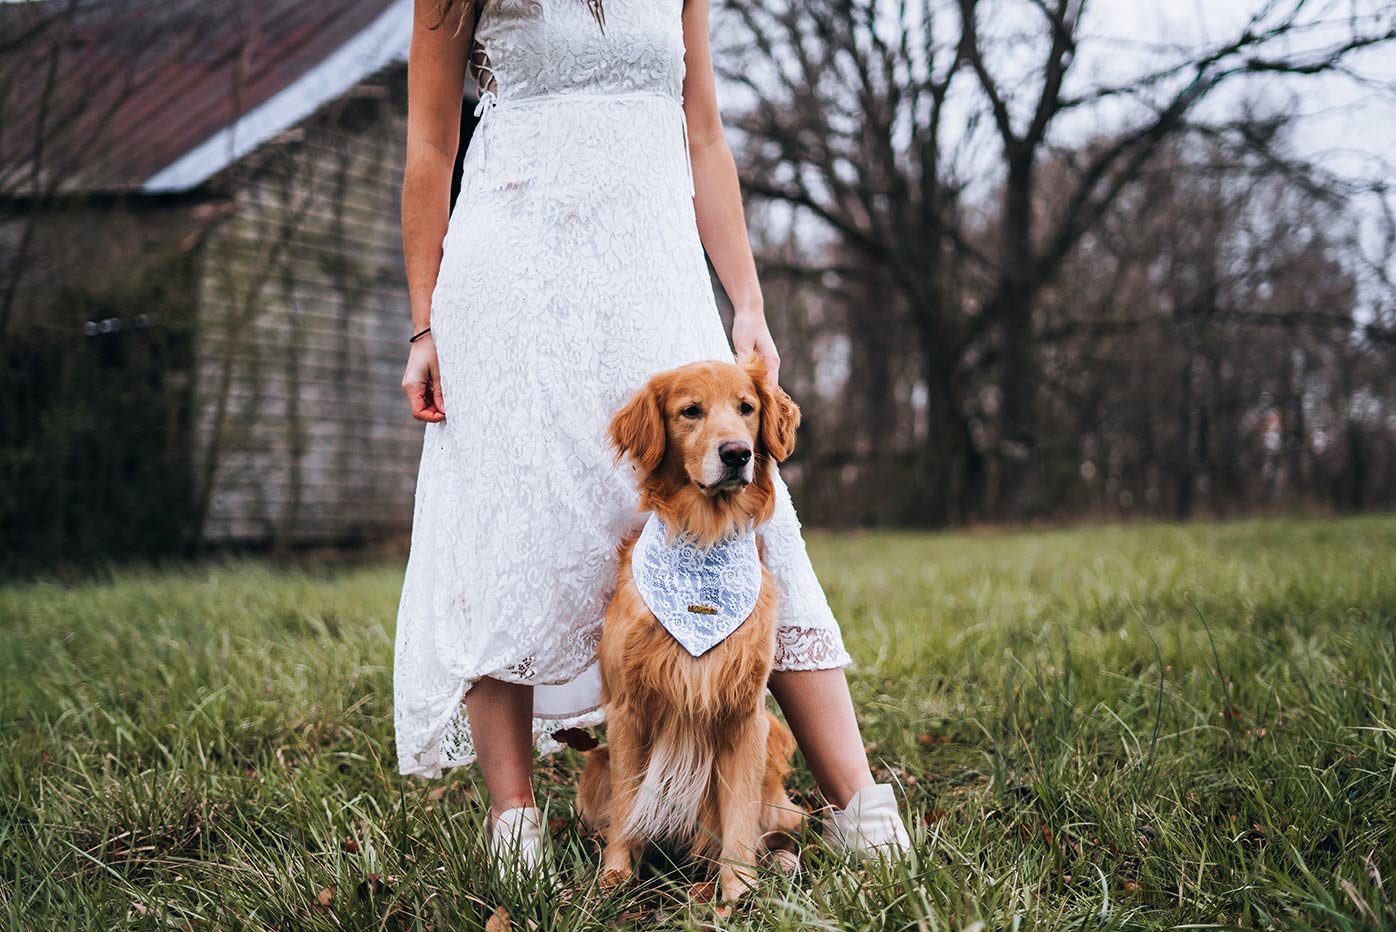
203, 309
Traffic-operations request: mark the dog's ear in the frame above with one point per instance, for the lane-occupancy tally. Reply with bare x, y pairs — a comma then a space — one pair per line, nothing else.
780, 416
638, 428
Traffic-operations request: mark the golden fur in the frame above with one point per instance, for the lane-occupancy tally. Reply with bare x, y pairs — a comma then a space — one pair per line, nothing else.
693, 755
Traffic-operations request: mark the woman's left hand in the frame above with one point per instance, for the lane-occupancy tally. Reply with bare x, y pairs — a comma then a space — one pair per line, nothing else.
750, 334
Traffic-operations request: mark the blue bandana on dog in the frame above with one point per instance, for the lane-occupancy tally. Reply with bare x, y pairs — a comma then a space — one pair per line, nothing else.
699, 596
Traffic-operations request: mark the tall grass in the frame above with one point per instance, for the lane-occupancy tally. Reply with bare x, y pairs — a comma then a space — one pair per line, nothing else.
1110, 727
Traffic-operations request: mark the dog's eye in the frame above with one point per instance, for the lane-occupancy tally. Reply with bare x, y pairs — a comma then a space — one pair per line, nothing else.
747, 408
691, 412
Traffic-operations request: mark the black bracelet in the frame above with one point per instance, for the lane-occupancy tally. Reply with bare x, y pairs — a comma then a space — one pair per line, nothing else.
417, 336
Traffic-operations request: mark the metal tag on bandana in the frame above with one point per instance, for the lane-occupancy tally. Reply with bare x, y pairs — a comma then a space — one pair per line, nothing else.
699, 596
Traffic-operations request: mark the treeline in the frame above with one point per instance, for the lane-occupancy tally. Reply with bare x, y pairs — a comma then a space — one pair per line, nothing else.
990, 315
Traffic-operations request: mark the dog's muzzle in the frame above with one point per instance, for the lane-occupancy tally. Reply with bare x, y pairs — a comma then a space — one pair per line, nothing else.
735, 469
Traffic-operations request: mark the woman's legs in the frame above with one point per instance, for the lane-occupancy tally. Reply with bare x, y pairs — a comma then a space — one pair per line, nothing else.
501, 725
819, 709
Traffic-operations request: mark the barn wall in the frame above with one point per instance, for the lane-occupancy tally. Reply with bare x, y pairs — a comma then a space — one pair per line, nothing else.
303, 435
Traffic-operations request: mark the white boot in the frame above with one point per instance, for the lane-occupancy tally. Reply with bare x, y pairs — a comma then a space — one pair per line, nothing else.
516, 840
869, 826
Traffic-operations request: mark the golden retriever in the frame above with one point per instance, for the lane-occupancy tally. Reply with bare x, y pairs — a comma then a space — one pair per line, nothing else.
693, 757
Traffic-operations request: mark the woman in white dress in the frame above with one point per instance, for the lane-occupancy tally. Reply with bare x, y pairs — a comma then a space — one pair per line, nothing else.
570, 270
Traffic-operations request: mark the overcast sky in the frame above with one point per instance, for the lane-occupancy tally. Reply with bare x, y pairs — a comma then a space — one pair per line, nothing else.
1350, 127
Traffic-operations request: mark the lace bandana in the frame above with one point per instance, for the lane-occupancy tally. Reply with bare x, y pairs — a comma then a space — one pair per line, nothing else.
699, 596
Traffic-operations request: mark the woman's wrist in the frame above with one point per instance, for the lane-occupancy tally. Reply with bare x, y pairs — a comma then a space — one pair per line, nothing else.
419, 311
753, 311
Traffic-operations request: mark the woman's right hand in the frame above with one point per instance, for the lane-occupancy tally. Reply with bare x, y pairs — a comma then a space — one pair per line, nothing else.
422, 382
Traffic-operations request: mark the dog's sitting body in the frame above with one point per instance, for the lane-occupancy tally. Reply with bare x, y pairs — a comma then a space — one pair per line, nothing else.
693, 756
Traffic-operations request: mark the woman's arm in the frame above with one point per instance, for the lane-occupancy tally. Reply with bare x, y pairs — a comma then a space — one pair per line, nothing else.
718, 198
436, 65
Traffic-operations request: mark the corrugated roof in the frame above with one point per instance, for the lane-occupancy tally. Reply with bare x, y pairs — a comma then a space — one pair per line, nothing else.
158, 95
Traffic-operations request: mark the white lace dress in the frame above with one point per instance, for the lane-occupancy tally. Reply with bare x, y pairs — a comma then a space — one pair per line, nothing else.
571, 271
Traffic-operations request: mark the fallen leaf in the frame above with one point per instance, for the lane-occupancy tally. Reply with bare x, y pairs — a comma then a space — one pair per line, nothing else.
351, 846
577, 739
499, 922
325, 896
436, 794
372, 885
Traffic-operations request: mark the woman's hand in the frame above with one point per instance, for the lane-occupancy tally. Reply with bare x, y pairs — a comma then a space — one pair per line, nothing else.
422, 382
750, 334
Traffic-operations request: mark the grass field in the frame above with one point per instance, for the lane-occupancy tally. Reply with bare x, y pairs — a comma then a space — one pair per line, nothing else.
1104, 728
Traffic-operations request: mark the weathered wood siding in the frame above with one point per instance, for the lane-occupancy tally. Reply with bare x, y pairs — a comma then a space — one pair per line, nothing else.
302, 433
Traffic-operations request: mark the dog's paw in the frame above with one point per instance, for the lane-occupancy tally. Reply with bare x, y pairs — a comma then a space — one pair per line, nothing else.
735, 884
786, 861
614, 877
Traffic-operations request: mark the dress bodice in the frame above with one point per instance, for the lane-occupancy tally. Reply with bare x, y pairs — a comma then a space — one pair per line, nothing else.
532, 48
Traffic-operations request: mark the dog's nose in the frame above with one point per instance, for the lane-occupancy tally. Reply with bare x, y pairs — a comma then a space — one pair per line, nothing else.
733, 453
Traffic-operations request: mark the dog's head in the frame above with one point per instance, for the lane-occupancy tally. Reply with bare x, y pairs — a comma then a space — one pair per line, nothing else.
709, 428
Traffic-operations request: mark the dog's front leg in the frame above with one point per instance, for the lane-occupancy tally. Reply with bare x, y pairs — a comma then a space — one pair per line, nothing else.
740, 766
627, 771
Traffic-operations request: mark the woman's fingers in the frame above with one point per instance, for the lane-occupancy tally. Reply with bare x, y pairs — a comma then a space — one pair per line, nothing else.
772, 365
437, 398
766, 347
425, 399
419, 395
422, 383
750, 334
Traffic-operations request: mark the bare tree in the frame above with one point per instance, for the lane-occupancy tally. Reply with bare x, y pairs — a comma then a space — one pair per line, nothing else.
877, 124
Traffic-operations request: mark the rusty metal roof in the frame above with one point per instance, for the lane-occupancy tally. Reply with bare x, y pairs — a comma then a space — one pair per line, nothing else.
158, 95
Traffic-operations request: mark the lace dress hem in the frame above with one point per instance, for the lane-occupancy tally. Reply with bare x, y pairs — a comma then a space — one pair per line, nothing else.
797, 649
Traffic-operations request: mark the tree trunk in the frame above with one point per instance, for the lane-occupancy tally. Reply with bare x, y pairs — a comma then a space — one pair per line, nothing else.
950, 467
1018, 488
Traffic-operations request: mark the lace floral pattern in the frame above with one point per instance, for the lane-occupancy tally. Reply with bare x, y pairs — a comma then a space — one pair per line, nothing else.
571, 270
799, 648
